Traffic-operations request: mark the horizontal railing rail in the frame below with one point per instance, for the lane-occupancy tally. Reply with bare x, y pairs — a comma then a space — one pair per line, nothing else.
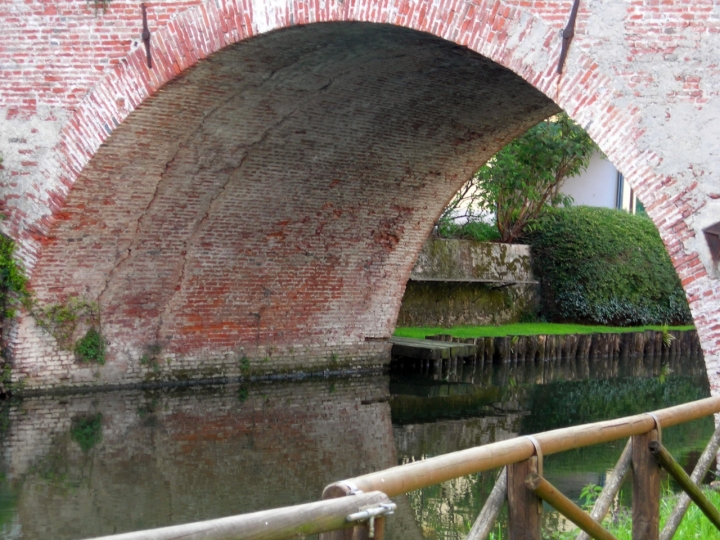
420, 474
277, 524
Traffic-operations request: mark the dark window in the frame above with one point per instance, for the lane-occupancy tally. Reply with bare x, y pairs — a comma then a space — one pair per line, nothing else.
712, 235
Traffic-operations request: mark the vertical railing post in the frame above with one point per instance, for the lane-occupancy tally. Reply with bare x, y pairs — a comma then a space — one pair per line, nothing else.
646, 489
524, 507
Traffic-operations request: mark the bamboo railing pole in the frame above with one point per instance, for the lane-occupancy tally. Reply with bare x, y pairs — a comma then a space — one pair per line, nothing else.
691, 488
566, 507
611, 489
701, 469
489, 513
277, 524
420, 474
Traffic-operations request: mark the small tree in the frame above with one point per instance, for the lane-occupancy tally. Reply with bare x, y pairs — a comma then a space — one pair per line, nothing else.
525, 177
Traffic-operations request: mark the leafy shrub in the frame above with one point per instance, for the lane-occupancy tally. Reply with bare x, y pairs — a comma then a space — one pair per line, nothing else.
605, 266
91, 347
473, 230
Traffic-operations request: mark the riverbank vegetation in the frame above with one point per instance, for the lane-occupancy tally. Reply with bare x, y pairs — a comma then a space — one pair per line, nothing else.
693, 526
595, 265
528, 329
603, 266
524, 178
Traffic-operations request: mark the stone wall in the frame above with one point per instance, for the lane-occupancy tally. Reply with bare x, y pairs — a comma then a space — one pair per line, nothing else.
456, 282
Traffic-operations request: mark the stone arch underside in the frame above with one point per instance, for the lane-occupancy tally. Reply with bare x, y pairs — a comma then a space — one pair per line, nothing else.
269, 203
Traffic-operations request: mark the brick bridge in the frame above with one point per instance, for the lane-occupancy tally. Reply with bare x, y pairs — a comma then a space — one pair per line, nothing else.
261, 192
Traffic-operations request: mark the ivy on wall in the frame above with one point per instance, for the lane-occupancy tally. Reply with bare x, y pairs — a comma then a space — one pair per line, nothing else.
61, 320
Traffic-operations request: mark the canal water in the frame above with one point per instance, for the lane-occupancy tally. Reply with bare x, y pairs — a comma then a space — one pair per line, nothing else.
85, 465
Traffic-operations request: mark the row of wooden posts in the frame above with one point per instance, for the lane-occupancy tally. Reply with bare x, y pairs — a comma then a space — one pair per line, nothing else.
356, 509
671, 343
466, 370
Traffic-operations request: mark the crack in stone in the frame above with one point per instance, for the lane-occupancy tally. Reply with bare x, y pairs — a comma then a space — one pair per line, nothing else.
144, 213
231, 172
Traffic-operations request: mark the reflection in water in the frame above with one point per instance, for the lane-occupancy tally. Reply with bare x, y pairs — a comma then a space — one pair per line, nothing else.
436, 409
173, 457
92, 464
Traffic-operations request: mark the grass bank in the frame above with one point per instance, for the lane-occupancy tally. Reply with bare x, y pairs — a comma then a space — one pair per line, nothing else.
693, 526
525, 329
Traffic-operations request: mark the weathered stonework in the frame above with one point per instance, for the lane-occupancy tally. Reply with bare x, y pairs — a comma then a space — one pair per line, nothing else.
274, 192
468, 261
458, 282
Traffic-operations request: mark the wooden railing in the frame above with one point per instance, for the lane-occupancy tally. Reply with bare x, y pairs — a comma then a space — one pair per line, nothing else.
355, 509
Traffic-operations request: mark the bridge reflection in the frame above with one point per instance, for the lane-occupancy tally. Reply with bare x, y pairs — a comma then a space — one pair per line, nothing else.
78, 466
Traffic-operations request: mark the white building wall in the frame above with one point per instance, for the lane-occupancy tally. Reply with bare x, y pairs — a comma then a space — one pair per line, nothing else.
597, 186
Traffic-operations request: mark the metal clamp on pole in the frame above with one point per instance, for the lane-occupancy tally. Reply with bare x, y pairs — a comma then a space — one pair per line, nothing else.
369, 515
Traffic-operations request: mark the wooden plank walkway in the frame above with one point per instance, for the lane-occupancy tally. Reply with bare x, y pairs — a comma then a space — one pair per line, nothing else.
429, 349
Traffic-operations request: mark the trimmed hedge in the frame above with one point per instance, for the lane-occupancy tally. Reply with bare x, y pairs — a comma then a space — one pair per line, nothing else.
605, 266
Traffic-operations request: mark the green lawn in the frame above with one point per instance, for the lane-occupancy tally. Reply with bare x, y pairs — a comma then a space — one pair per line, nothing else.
523, 329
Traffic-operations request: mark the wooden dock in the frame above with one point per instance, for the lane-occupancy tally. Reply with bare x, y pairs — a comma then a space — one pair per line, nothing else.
430, 349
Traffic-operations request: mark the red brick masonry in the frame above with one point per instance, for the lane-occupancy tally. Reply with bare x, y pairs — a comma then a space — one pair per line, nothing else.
262, 193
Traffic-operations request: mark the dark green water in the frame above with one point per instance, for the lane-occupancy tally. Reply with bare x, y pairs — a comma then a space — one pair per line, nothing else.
435, 413
87, 465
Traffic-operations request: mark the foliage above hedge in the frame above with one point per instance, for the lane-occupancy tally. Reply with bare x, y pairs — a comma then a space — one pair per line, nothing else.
605, 266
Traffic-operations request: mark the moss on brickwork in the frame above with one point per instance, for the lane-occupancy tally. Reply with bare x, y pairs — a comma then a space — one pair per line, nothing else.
63, 320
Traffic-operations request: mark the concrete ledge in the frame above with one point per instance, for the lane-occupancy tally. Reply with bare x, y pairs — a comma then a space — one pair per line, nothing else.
469, 261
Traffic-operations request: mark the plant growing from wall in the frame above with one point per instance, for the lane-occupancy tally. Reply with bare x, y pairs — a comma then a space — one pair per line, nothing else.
91, 347
13, 294
151, 357
61, 320
13, 281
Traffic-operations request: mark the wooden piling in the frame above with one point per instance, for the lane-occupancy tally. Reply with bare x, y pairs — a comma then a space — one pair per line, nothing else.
531, 350
502, 349
489, 350
541, 346
480, 354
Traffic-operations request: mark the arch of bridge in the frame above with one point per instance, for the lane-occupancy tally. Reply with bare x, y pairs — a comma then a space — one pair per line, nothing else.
160, 211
